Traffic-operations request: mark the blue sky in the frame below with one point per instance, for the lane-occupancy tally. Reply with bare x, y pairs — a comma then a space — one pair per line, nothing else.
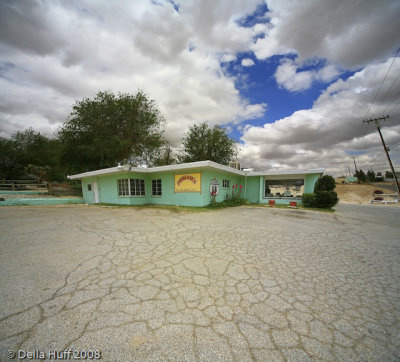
291, 81
257, 83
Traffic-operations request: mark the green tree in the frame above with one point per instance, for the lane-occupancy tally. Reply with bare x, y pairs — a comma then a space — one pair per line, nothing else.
26, 148
166, 157
389, 174
371, 176
8, 161
361, 177
110, 128
203, 143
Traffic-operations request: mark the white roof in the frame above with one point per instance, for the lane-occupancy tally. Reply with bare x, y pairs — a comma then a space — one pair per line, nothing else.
187, 166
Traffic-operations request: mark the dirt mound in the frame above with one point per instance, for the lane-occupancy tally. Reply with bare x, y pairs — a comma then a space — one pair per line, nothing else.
359, 194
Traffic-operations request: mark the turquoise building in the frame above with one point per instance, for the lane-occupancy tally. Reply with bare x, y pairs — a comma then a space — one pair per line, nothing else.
193, 184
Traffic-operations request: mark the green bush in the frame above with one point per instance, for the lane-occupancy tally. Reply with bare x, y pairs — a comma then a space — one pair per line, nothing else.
308, 200
321, 199
325, 183
235, 200
326, 199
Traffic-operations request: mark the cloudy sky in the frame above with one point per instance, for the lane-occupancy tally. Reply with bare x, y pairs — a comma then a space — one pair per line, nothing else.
291, 80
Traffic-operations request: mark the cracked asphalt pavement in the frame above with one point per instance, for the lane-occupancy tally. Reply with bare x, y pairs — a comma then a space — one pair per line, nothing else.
245, 283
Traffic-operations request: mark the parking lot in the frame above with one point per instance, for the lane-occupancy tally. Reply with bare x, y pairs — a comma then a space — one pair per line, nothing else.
244, 283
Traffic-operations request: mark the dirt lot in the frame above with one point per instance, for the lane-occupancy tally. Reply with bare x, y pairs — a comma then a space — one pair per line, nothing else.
360, 194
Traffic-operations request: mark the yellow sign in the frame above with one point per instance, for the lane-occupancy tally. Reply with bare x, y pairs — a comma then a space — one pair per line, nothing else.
188, 182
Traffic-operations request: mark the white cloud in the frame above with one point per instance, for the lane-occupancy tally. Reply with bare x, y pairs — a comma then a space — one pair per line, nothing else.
348, 33
324, 135
288, 76
55, 53
226, 58
247, 62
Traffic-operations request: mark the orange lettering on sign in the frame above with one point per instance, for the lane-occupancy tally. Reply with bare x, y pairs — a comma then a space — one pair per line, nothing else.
186, 177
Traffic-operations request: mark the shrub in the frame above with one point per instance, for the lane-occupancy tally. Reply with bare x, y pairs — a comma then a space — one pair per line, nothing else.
326, 199
235, 200
308, 200
325, 183
322, 199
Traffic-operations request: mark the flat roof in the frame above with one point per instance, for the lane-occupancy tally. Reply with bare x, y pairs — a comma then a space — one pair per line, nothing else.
190, 165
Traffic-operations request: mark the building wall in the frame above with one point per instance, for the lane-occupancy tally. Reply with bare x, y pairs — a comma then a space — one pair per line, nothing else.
224, 193
203, 198
253, 189
169, 196
88, 196
108, 188
309, 183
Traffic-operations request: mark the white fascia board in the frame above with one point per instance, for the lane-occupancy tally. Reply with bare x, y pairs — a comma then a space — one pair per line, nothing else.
188, 166
288, 172
104, 171
181, 166
194, 165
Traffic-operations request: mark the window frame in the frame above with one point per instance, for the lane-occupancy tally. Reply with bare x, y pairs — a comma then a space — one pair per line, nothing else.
279, 182
156, 185
131, 187
89, 187
138, 188
226, 184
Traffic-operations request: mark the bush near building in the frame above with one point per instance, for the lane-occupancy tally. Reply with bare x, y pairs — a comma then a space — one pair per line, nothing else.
323, 197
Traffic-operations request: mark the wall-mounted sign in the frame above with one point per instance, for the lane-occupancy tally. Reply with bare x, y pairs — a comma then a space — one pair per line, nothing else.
214, 187
188, 182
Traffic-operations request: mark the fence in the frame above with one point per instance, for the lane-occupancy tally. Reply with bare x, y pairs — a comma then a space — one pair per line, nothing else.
382, 199
20, 185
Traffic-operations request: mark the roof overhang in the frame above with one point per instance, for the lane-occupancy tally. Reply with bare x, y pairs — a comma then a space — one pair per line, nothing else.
191, 166
169, 168
104, 171
277, 173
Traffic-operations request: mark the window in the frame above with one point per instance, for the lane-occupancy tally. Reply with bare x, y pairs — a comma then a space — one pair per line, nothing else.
225, 184
131, 187
284, 188
156, 187
123, 187
89, 187
137, 187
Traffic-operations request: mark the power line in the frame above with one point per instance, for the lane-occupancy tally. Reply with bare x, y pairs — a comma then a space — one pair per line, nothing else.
389, 107
390, 67
389, 89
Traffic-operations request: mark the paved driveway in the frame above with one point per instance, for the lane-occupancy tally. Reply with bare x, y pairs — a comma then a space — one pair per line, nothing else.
235, 284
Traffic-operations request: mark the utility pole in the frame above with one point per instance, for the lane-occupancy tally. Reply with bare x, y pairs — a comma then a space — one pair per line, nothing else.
378, 127
349, 170
355, 166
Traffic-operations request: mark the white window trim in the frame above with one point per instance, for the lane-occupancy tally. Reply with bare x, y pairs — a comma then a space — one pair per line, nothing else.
129, 187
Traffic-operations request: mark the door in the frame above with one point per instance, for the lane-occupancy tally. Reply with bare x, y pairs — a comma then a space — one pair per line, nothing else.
96, 192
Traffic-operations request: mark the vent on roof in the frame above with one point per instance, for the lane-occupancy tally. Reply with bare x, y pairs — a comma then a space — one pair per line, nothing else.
235, 165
